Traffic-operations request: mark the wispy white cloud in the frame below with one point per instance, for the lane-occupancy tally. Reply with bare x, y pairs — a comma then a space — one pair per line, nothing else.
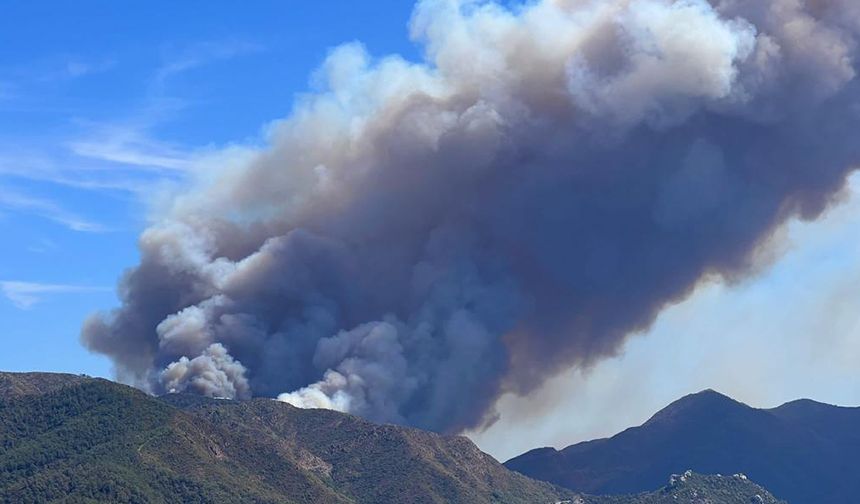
70, 171
120, 155
64, 68
25, 295
129, 141
47, 209
75, 68
202, 54
127, 146
53, 69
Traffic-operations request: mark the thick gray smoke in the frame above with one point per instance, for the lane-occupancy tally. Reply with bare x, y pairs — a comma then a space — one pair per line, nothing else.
420, 238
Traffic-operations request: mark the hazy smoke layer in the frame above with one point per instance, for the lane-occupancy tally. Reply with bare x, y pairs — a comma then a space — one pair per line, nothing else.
419, 238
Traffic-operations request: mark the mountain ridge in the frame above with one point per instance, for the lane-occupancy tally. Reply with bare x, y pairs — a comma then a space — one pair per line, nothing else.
794, 449
70, 439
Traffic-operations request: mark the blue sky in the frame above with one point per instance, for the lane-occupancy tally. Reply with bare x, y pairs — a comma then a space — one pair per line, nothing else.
104, 104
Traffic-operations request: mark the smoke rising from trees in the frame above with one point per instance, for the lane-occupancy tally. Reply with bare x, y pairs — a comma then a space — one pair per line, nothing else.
419, 238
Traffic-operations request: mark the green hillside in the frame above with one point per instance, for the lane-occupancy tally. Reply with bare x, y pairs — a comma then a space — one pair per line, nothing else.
75, 439
96, 441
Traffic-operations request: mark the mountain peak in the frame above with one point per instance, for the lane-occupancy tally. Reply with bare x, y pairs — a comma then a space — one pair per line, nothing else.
806, 404
699, 405
707, 394
804, 451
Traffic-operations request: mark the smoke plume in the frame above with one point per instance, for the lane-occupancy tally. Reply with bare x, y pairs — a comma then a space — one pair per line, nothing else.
419, 238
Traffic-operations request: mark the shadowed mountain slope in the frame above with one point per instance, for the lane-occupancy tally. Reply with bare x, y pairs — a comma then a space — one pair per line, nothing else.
804, 452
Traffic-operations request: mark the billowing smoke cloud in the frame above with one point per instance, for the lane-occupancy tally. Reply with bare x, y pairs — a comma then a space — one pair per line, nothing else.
420, 238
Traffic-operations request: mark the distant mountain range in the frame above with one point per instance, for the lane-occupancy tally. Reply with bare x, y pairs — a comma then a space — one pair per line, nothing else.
803, 451
71, 439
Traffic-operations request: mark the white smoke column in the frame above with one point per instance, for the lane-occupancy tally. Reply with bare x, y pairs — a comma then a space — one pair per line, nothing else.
213, 373
419, 238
